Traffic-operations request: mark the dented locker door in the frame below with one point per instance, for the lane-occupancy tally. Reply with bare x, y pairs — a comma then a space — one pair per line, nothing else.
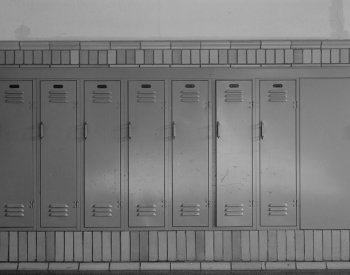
325, 153
146, 153
234, 153
16, 157
102, 153
278, 153
58, 154
190, 153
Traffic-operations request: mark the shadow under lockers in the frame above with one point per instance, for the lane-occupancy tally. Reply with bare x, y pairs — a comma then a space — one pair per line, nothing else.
167, 130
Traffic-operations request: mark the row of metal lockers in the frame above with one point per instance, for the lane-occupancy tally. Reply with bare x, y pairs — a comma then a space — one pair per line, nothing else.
48, 143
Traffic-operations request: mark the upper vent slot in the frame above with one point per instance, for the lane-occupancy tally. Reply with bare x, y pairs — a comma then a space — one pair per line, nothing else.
14, 96
146, 96
101, 97
58, 96
233, 96
277, 95
190, 96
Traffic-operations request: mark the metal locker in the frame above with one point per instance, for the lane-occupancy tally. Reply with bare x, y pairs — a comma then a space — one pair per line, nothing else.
190, 130
58, 127
277, 131
146, 153
16, 157
325, 153
234, 196
102, 153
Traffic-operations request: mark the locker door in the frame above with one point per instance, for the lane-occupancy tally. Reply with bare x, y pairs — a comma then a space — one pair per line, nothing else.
102, 153
325, 153
234, 153
16, 157
146, 153
277, 153
190, 153
58, 154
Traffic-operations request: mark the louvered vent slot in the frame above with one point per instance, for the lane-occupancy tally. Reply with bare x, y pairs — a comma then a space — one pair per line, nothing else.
189, 96
58, 97
234, 209
278, 210
14, 97
190, 209
146, 210
58, 210
234, 96
277, 95
146, 96
14, 210
102, 210
102, 97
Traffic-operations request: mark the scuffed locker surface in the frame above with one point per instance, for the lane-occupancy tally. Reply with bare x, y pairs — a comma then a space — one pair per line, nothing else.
234, 153
58, 148
190, 131
16, 157
146, 153
102, 153
278, 182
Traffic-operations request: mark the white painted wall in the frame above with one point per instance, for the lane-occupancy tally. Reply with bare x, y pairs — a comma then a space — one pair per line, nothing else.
173, 19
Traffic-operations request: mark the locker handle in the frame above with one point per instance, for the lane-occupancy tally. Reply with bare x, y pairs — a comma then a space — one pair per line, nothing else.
85, 130
41, 130
218, 129
261, 126
173, 129
129, 130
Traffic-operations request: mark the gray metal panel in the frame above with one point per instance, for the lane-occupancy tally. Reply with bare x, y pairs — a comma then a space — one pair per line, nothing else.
146, 153
234, 153
16, 157
325, 153
58, 154
190, 153
278, 153
102, 153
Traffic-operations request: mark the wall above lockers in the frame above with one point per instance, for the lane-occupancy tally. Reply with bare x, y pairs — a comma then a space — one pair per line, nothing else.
168, 19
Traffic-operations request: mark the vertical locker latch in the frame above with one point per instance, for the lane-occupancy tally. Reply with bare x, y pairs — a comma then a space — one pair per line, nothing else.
129, 130
85, 130
218, 129
173, 129
261, 130
41, 130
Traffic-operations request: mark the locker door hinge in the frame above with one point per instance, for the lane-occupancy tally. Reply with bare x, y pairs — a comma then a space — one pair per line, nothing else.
295, 104
163, 203
251, 203
76, 204
250, 104
31, 204
208, 203
117, 204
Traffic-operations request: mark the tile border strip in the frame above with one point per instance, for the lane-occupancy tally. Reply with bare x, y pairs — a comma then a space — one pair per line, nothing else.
147, 266
215, 53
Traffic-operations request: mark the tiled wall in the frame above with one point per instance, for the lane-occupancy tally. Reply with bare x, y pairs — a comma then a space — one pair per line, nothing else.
174, 53
176, 246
